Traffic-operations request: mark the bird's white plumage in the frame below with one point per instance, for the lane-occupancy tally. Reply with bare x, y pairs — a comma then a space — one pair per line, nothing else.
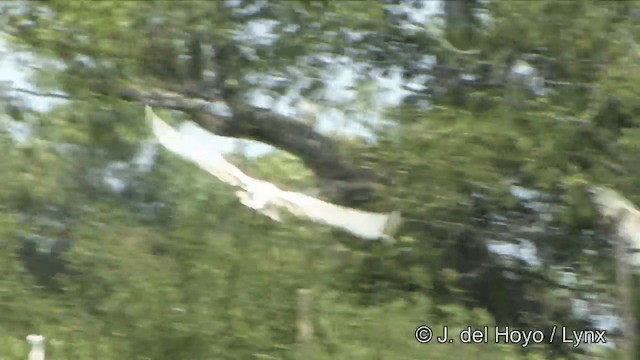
624, 216
270, 200
37, 347
211, 162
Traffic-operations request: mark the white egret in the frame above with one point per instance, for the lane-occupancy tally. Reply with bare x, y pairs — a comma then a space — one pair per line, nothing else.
624, 217
268, 199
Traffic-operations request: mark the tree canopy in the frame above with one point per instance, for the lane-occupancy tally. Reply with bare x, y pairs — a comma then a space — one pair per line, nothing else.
504, 113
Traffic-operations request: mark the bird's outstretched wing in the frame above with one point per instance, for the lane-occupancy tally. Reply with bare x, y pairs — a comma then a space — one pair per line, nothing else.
269, 200
623, 215
363, 224
213, 163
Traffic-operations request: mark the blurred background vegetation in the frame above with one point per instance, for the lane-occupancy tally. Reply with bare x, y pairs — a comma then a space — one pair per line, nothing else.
502, 113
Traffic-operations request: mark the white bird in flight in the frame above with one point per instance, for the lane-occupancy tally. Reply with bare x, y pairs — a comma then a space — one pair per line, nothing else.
268, 199
37, 347
624, 217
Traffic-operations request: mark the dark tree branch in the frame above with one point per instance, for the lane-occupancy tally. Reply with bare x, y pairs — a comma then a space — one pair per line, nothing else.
344, 183
42, 94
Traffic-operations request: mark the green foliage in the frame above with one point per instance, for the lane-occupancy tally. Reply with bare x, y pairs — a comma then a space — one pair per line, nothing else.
203, 277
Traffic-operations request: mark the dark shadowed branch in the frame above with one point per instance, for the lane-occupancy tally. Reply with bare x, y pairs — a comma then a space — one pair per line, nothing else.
347, 184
